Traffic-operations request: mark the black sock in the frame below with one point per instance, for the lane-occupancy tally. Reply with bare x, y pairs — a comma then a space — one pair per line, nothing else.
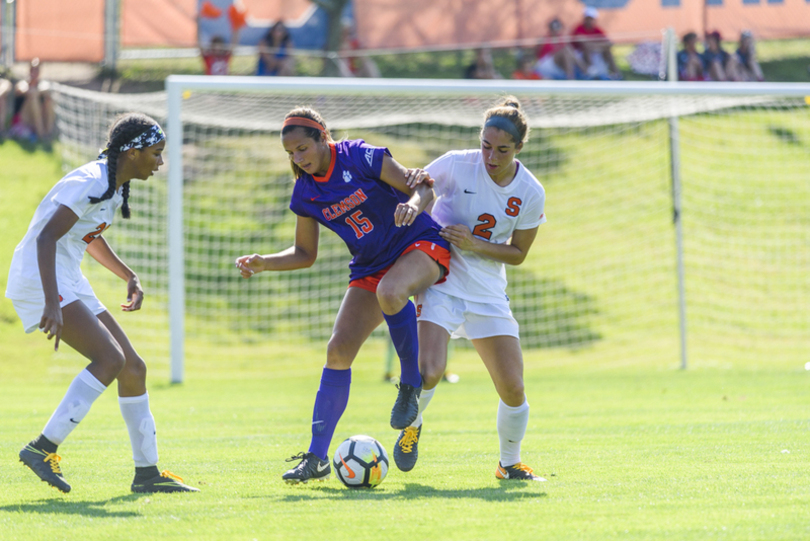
44, 444
145, 473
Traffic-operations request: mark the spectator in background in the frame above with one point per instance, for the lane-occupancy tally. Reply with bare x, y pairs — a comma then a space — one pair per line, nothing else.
275, 49
556, 58
217, 57
747, 58
720, 65
34, 117
354, 66
525, 67
482, 67
691, 66
594, 48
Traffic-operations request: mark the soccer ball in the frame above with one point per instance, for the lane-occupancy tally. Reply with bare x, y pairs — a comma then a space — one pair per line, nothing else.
361, 462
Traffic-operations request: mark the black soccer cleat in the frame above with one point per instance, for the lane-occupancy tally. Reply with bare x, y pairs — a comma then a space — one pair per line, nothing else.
406, 408
165, 482
406, 450
311, 468
45, 465
517, 472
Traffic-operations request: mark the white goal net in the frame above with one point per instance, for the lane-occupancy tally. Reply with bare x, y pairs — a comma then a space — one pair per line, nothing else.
602, 275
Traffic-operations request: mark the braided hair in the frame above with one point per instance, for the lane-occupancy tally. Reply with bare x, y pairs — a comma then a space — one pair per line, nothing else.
124, 129
312, 133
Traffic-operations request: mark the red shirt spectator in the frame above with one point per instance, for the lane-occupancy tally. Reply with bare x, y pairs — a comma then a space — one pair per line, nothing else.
216, 63
557, 41
588, 32
594, 48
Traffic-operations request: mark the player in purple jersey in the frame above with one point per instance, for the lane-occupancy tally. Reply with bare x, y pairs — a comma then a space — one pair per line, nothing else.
362, 194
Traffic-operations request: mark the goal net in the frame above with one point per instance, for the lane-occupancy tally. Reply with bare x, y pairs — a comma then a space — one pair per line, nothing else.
602, 279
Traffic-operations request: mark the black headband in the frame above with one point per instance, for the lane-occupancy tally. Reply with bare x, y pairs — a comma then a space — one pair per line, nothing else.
503, 123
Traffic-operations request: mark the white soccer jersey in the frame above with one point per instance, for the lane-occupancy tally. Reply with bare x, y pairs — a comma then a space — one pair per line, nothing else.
467, 195
73, 191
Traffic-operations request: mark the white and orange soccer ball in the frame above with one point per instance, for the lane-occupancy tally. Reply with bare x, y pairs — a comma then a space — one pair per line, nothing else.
361, 462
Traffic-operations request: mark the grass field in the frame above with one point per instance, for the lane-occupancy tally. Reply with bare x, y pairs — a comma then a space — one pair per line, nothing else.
636, 450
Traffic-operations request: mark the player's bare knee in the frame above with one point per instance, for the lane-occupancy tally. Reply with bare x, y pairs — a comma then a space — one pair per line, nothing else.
339, 354
135, 369
514, 395
112, 360
431, 376
392, 299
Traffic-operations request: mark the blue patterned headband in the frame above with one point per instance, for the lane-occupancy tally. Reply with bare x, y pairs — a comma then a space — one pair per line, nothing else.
503, 123
152, 136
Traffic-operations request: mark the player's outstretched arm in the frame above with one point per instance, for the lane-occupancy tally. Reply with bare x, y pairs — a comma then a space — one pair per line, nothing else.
299, 256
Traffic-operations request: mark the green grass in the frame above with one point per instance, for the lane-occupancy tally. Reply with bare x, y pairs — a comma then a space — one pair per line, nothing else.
628, 453
632, 447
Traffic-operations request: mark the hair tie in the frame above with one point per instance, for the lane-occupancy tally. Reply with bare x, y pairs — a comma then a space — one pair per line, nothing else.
302, 121
505, 124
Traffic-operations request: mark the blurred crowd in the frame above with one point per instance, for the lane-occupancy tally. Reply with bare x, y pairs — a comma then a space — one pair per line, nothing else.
275, 49
714, 63
583, 53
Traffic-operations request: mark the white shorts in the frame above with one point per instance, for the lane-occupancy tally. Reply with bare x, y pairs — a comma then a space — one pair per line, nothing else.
466, 319
30, 308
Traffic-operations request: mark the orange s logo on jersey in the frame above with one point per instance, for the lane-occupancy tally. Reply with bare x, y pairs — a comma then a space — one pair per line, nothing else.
90, 237
513, 206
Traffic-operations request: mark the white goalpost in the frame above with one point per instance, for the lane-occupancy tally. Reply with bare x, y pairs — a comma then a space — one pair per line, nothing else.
664, 200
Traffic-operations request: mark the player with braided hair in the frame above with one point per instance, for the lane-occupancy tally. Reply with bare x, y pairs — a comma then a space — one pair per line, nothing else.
490, 207
49, 292
359, 192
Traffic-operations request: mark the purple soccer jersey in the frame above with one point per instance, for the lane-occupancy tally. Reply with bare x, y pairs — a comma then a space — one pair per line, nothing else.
352, 201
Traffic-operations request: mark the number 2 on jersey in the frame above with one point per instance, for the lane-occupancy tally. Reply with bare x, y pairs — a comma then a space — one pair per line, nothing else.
90, 237
488, 221
483, 229
360, 224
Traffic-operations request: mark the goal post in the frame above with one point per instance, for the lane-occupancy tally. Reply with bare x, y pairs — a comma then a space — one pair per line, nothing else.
602, 279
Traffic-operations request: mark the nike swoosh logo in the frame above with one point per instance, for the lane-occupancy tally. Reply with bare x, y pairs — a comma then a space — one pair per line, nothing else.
416, 244
314, 198
468, 191
348, 469
325, 465
74, 422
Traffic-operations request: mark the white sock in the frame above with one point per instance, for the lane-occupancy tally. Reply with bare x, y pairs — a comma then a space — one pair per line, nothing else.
82, 392
512, 424
141, 427
424, 400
